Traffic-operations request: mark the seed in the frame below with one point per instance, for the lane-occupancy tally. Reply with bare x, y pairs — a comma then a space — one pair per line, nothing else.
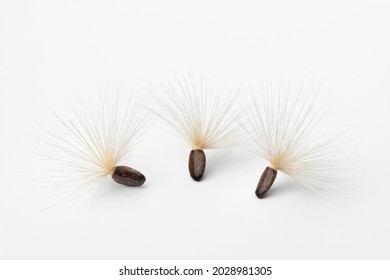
265, 182
197, 164
128, 176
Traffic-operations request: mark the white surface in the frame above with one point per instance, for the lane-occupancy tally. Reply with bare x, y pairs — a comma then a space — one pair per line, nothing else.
50, 53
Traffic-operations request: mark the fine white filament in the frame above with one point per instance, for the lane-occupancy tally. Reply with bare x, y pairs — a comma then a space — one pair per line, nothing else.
93, 140
200, 113
290, 129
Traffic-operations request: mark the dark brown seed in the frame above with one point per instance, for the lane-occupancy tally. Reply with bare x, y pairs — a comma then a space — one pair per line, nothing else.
197, 164
128, 176
265, 182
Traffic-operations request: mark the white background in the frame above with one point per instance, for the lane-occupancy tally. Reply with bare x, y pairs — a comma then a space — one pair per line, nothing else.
53, 52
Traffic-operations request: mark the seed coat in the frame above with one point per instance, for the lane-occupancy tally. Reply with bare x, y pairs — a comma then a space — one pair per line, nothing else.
265, 183
197, 164
128, 176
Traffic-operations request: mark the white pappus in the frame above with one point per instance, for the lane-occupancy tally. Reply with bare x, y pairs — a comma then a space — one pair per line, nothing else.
94, 142
200, 113
290, 127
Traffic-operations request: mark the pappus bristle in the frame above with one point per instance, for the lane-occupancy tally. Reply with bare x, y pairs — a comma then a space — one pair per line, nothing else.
93, 142
289, 128
200, 113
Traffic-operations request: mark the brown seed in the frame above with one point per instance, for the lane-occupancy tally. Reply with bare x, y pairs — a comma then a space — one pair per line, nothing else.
265, 182
128, 176
197, 164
